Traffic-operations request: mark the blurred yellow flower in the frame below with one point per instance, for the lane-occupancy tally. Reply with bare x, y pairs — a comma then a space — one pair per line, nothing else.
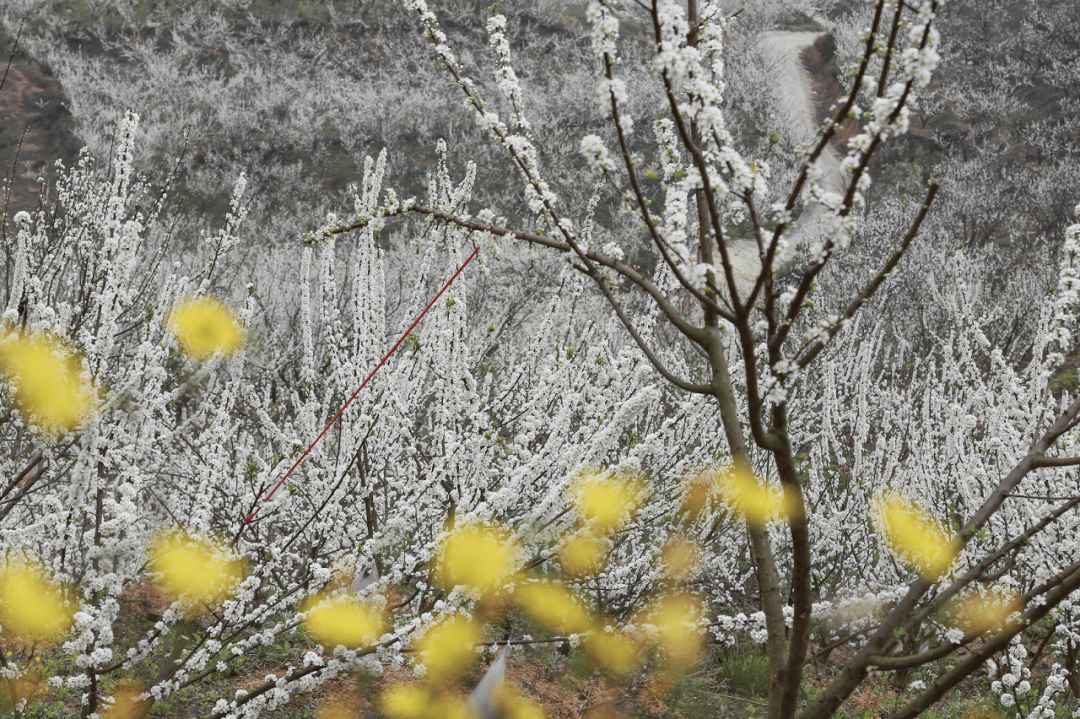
605, 502
697, 490
615, 653
553, 606
446, 706
27, 686
407, 701
126, 703
582, 554
48, 380
30, 606
757, 502
980, 613
915, 534
514, 705
449, 648
343, 620
205, 325
338, 710
679, 558
478, 557
676, 618
194, 566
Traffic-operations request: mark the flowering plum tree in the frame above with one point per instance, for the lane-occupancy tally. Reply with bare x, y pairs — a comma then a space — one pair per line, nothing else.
768, 407
774, 335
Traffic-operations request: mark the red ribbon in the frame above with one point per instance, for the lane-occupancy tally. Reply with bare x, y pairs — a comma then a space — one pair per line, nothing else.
344, 406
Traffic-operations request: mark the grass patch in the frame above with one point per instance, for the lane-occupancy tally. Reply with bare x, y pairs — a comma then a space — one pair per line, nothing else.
1067, 381
744, 670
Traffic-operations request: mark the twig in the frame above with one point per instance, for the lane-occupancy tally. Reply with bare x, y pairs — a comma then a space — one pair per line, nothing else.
730, 696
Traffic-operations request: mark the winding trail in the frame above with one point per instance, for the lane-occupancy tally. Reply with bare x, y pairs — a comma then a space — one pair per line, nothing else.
793, 92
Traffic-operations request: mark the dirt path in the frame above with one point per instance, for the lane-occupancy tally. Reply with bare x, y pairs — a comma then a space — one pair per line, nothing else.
793, 89
794, 93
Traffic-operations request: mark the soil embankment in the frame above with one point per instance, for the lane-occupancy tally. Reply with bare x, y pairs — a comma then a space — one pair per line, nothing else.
35, 128
819, 60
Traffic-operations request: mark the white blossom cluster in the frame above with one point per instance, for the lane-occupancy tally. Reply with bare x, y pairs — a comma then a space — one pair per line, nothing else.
605, 27
675, 199
610, 91
596, 153
1067, 297
1014, 683
540, 197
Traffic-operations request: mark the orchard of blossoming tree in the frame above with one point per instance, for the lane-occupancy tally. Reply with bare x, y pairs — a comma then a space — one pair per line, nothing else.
693, 405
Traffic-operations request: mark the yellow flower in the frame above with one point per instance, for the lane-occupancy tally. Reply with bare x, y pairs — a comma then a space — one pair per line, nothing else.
446, 706
407, 701
194, 566
582, 554
477, 557
205, 325
30, 606
755, 501
697, 490
981, 613
48, 381
448, 648
554, 606
27, 686
126, 703
614, 652
514, 705
338, 710
915, 534
676, 618
605, 501
679, 558
345, 621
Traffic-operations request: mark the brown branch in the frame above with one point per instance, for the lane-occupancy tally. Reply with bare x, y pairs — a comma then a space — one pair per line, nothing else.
629, 325
978, 657
883, 80
643, 208
808, 355
696, 334
14, 501
1056, 462
815, 268
21, 475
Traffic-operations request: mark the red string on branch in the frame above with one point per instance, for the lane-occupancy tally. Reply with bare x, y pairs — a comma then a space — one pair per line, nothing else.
344, 406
